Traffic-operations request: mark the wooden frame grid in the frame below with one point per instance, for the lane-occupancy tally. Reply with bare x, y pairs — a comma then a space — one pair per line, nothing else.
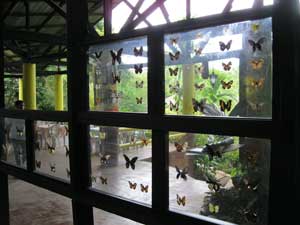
281, 129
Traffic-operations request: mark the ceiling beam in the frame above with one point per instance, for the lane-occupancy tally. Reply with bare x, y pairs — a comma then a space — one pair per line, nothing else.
8, 11
57, 8
34, 37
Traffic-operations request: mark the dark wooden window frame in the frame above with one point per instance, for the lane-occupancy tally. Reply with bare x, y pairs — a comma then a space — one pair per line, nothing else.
281, 129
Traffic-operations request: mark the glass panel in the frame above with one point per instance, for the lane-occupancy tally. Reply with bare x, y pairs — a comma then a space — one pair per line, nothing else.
13, 141
118, 76
31, 205
220, 71
52, 149
105, 218
11, 92
121, 162
220, 177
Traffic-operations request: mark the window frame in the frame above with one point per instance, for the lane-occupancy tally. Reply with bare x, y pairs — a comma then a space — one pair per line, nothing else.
280, 129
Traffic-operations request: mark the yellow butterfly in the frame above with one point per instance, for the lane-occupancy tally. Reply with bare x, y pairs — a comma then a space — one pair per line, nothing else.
213, 208
255, 27
257, 64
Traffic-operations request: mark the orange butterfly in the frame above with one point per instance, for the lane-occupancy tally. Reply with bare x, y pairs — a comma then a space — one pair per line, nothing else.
145, 141
174, 41
225, 106
257, 63
199, 86
257, 83
227, 66
180, 147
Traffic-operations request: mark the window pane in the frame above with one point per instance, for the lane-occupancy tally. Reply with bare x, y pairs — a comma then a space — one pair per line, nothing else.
13, 141
220, 71
31, 205
52, 149
105, 218
221, 177
118, 76
121, 162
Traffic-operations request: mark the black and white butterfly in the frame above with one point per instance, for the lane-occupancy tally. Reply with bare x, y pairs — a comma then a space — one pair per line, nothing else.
182, 173
130, 162
104, 158
52, 167
116, 56
256, 45
20, 131
98, 54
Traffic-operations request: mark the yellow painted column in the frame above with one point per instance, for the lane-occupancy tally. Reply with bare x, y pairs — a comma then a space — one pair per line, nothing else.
188, 75
59, 93
29, 85
20, 89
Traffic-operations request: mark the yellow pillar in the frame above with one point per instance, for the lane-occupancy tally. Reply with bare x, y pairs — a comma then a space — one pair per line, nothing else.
188, 75
20, 88
29, 85
59, 93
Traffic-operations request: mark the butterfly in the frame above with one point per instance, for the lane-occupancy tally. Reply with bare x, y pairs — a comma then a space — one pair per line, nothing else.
144, 188
138, 68
103, 180
138, 52
199, 86
257, 63
174, 106
53, 167
139, 85
94, 179
255, 27
115, 77
198, 105
212, 151
182, 173
132, 185
224, 46
20, 131
104, 158
213, 208
227, 66
67, 151
66, 131
257, 107
174, 57
51, 149
256, 45
116, 56
180, 147
98, 54
116, 95
130, 162
132, 139
181, 200
198, 51
216, 184
173, 71
225, 106
226, 85
139, 100
173, 41
257, 83
174, 88
145, 141
68, 172
38, 164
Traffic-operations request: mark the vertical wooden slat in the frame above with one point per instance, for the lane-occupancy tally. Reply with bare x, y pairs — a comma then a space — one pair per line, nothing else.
107, 17
30, 156
77, 20
156, 107
284, 113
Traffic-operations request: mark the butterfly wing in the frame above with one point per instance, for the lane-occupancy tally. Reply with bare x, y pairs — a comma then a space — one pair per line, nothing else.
132, 162
178, 172
127, 160
222, 45
222, 105
119, 54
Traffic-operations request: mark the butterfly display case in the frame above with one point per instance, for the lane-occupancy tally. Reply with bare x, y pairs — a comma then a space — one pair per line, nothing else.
220, 71
121, 162
118, 76
13, 149
51, 145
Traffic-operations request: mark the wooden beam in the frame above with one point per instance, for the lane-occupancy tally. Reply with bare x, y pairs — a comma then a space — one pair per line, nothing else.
34, 37
228, 6
8, 11
135, 12
27, 14
57, 8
